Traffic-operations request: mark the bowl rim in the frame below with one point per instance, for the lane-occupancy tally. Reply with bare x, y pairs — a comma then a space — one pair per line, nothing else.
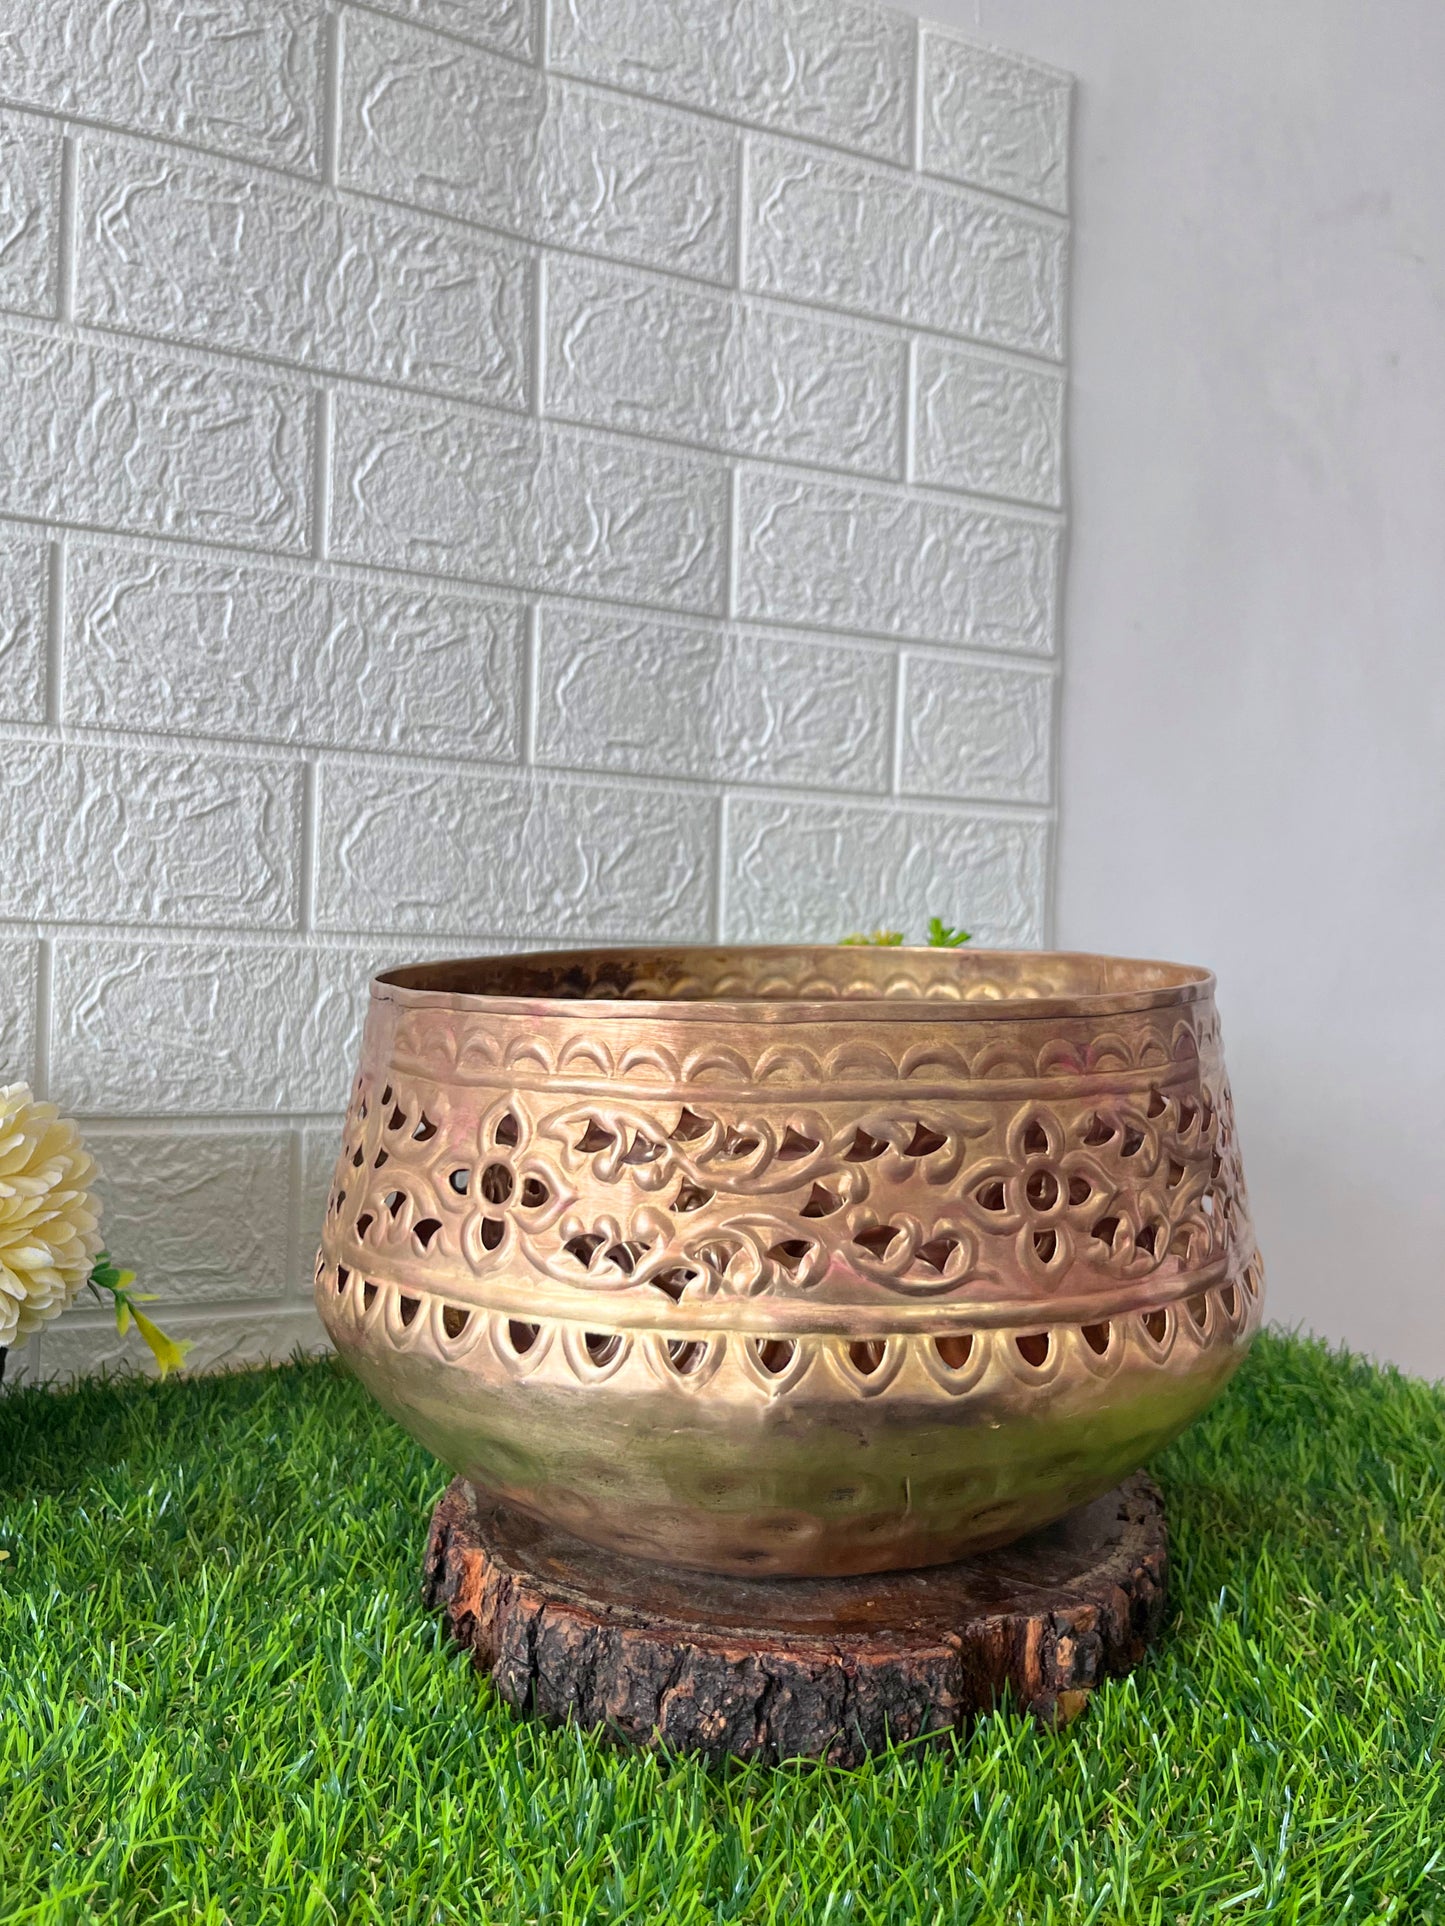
1158, 985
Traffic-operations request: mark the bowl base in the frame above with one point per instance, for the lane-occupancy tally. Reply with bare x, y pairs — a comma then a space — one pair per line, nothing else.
781, 1668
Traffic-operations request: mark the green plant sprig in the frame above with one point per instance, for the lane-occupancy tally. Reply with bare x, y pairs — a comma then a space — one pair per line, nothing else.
168, 1352
941, 936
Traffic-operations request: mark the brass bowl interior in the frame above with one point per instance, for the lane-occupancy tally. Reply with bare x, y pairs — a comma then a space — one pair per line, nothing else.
992, 983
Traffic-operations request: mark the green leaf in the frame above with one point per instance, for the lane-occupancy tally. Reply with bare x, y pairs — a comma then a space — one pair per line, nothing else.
103, 1274
941, 936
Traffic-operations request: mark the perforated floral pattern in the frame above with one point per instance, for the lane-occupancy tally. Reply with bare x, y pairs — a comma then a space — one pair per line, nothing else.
873, 1199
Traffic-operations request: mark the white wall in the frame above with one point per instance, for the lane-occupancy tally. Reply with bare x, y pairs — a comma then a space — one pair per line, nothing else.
1253, 757
465, 485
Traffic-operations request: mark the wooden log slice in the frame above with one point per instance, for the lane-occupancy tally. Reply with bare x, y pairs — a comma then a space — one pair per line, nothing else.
798, 1667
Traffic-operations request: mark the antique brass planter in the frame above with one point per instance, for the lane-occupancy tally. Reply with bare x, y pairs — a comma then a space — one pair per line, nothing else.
775, 1261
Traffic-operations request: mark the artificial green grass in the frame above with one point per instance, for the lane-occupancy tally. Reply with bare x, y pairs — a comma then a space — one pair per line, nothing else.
221, 1700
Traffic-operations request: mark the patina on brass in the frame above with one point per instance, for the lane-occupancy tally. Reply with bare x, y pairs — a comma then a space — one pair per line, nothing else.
810, 1261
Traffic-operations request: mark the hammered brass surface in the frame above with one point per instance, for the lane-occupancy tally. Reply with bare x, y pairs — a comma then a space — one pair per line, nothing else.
809, 1261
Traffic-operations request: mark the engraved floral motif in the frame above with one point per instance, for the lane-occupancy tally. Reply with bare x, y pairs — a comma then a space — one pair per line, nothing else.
692, 1200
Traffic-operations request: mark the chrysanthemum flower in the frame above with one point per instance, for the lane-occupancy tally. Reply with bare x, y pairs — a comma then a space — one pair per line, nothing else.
48, 1219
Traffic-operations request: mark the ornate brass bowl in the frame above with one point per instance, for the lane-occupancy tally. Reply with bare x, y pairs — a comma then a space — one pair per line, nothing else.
792, 1260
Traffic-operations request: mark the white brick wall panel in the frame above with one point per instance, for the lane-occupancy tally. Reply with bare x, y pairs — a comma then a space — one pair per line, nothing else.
867, 239
99, 834
143, 1028
426, 850
24, 618
232, 649
995, 121
439, 125
241, 76
30, 155
974, 731
201, 1217
694, 459
883, 563
652, 698
508, 26
989, 427
812, 872
635, 351
81, 1346
188, 250
19, 962
132, 441
501, 500
827, 69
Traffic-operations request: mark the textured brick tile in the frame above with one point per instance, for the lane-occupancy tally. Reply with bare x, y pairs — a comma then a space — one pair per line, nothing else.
19, 958
502, 500
655, 699
97, 834
235, 75
509, 26
811, 872
885, 563
439, 125
231, 649
29, 213
189, 250
829, 69
618, 176
629, 350
990, 427
201, 1217
417, 850
136, 442
207, 1027
80, 1346
972, 730
995, 120
24, 615
824, 228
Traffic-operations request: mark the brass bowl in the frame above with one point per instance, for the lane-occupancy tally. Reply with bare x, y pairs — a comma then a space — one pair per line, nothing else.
773, 1261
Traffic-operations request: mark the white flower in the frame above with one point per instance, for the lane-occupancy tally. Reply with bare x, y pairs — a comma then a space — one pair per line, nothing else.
48, 1219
